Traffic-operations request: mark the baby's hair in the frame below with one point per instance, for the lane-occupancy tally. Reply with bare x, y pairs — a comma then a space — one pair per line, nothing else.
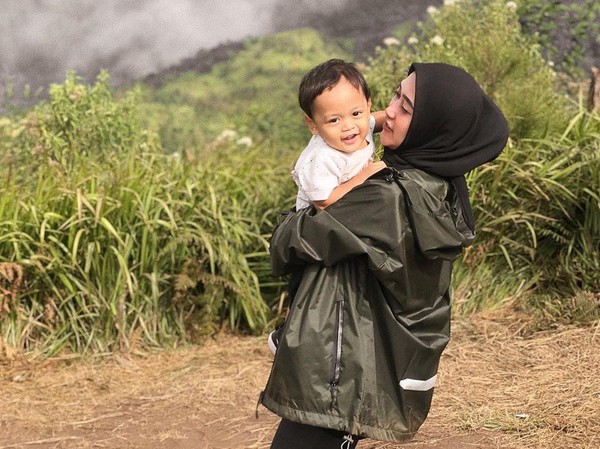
325, 76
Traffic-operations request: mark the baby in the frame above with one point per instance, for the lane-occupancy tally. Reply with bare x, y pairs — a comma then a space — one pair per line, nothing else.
336, 102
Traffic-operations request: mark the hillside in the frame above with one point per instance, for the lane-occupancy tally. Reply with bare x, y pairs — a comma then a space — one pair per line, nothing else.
361, 26
568, 31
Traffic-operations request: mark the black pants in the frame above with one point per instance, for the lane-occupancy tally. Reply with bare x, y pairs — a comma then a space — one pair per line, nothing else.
293, 435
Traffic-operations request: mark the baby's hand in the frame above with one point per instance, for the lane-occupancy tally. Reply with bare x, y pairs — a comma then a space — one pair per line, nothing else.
371, 168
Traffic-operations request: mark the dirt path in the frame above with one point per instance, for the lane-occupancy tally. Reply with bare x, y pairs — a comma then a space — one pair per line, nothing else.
497, 390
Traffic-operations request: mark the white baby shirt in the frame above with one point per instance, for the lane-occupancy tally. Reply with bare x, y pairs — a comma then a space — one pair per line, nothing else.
321, 168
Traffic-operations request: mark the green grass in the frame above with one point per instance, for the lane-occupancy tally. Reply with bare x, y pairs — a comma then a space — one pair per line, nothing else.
537, 206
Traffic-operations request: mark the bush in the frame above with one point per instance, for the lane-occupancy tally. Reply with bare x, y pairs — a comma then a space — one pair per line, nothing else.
537, 207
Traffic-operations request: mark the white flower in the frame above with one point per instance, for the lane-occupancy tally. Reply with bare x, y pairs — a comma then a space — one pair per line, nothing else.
551, 63
413, 40
512, 6
389, 41
227, 134
437, 40
432, 10
450, 2
176, 156
245, 141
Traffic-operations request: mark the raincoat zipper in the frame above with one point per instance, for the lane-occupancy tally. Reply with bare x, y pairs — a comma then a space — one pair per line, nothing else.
337, 349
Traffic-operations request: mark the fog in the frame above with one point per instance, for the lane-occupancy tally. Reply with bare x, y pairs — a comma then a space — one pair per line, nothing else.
42, 39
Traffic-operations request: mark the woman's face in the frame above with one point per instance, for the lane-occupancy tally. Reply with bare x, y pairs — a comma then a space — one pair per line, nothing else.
399, 113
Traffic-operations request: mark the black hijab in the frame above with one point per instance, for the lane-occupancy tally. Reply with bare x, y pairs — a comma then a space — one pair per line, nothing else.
455, 127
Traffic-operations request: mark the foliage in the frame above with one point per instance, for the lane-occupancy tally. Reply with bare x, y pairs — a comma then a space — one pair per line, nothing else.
117, 243
537, 206
144, 219
78, 122
563, 30
485, 40
539, 212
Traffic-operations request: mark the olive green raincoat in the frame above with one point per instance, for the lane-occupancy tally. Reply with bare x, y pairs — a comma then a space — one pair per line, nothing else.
362, 343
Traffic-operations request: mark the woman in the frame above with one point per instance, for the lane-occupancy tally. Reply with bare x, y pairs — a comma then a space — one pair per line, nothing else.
359, 352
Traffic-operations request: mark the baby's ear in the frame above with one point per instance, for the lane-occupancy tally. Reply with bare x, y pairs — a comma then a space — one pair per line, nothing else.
311, 125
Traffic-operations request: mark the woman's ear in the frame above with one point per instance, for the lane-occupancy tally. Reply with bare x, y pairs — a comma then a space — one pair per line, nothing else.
311, 125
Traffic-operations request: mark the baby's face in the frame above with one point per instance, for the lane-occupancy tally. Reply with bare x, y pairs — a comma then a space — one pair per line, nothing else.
341, 117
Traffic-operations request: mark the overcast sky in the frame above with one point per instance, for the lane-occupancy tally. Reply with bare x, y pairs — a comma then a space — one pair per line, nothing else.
41, 39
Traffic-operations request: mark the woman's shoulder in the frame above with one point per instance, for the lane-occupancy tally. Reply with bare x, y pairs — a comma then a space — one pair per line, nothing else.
422, 181
391, 189
425, 193
392, 182
436, 216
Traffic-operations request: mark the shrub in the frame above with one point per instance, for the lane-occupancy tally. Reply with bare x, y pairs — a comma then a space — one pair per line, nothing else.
537, 207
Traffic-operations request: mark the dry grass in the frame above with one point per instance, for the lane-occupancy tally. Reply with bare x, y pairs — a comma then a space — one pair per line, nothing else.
11, 277
188, 397
499, 388
542, 389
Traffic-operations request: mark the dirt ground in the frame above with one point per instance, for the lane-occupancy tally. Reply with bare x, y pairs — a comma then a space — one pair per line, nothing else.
499, 387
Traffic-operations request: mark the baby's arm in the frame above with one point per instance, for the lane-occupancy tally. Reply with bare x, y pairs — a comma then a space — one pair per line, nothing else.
368, 171
379, 119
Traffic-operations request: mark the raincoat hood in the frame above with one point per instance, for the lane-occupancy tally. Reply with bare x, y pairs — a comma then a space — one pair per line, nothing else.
455, 128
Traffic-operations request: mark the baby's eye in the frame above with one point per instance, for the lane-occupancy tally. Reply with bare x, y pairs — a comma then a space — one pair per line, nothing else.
334, 120
356, 113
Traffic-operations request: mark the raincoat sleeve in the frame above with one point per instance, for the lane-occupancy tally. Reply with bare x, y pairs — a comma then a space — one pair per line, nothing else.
357, 225
372, 220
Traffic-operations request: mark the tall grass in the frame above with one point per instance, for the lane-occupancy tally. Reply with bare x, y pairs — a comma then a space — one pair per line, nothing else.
538, 210
118, 243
